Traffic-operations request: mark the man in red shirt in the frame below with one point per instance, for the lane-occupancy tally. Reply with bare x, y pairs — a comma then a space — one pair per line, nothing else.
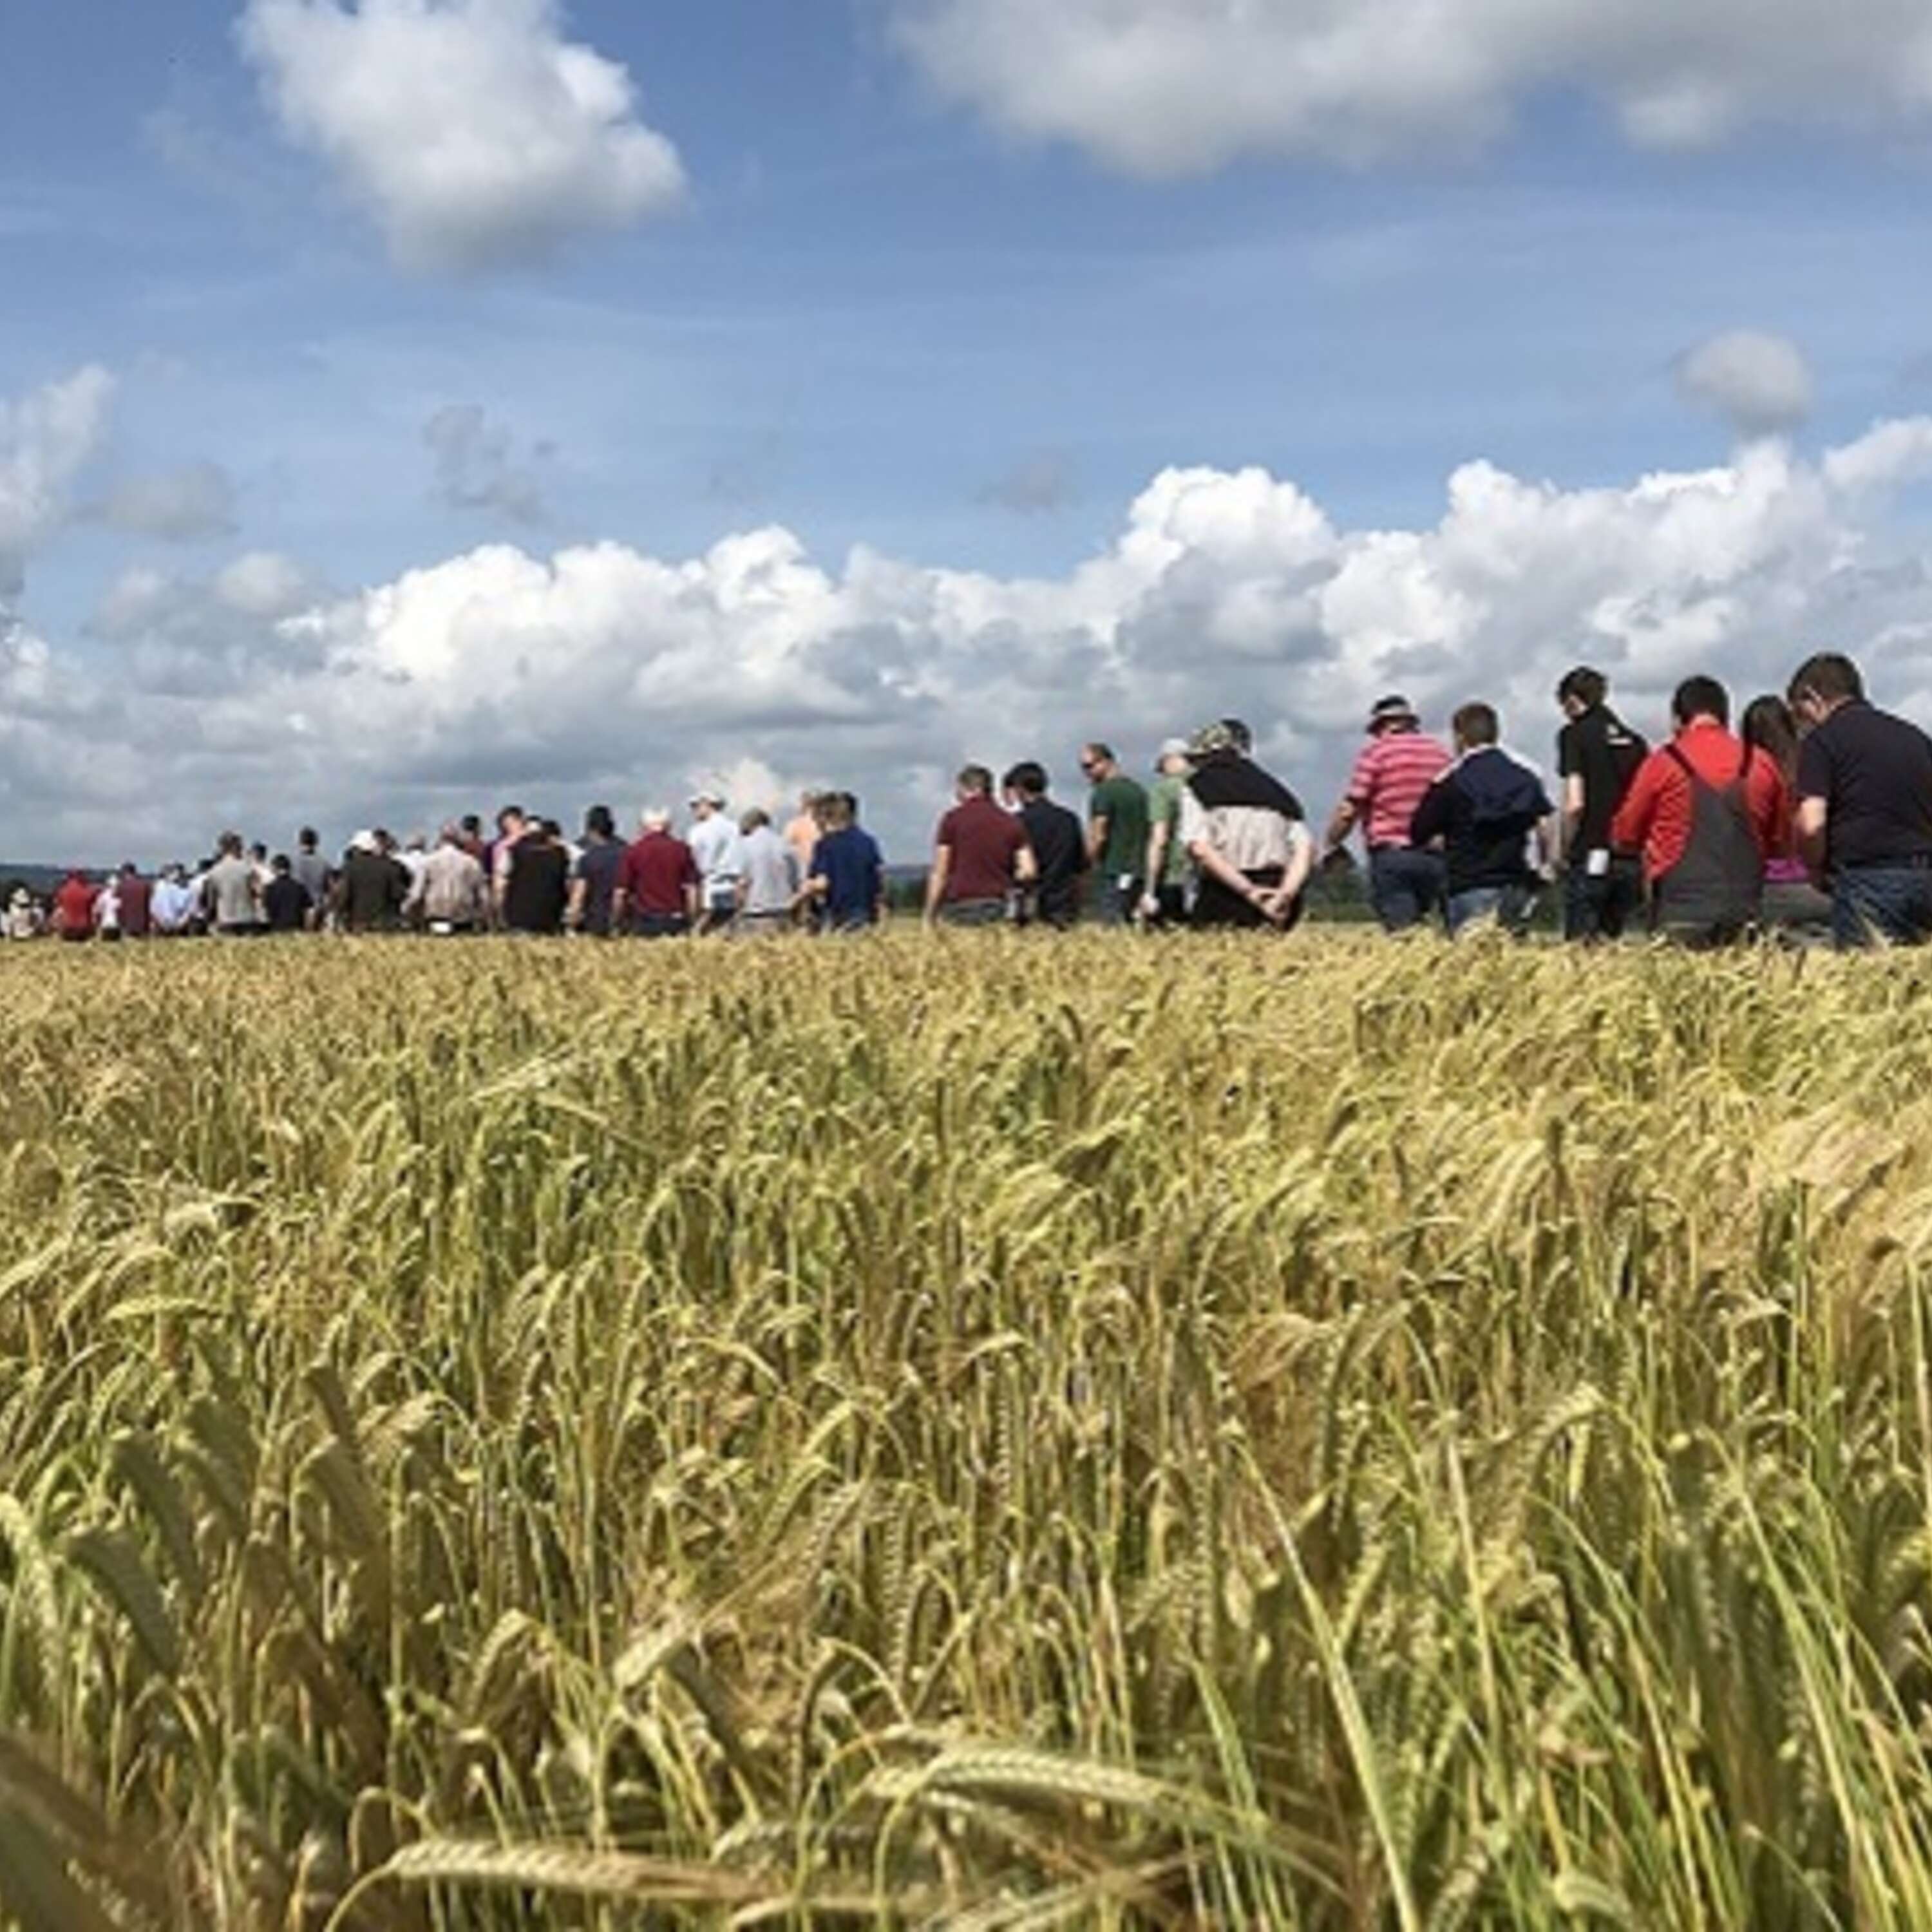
980, 859
136, 894
656, 892
1392, 777
1704, 810
74, 908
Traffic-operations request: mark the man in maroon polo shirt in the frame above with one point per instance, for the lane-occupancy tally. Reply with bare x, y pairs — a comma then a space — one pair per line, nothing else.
980, 859
656, 893
136, 895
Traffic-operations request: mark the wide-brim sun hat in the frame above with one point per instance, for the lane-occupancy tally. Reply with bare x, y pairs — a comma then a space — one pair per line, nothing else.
1394, 710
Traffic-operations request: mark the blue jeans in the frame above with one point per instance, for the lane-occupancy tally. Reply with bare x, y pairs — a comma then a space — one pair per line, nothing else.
1602, 906
1405, 887
1888, 904
1510, 906
1116, 901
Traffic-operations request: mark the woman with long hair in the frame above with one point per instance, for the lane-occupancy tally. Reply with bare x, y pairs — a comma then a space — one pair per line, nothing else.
1793, 904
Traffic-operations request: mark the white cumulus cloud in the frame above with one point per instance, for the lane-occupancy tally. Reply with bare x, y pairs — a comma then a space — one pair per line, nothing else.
601, 672
1175, 87
47, 438
1759, 384
472, 131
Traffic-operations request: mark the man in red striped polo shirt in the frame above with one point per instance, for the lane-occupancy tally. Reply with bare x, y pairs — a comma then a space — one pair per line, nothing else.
1396, 769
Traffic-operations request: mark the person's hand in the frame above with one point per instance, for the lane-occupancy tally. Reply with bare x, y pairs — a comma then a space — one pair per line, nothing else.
1150, 906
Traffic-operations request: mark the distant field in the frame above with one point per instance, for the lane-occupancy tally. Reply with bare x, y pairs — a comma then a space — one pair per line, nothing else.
978, 1432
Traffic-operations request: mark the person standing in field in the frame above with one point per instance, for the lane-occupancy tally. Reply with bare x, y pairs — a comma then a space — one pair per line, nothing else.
231, 900
107, 911
1164, 903
1407, 884
1488, 810
593, 878
452, 893
771, 875
845, 882
715, 845
74, 908
172, 905
1864, 806
286, 904
22, 920
1244, 830
804, 829
1597, 756
371, 889
310, 870
1059, 846
657, 882
1706, 811
136, 898
1117, 834
980, 858
1793, 904
538, 888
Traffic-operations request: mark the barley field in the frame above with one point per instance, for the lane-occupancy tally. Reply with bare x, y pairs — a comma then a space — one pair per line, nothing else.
978, 1433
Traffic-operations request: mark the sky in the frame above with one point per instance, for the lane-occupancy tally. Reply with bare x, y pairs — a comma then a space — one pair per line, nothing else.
407, 406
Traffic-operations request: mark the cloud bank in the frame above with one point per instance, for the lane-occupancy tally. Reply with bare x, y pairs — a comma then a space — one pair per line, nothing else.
253, 696
1178, 87
472, 131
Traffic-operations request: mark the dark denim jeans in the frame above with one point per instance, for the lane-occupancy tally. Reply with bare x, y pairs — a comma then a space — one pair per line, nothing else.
1604, 906
1882, 904
1407, 888
1510, 908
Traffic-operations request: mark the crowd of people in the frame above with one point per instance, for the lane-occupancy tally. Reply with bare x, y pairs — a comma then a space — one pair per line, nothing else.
1812, 818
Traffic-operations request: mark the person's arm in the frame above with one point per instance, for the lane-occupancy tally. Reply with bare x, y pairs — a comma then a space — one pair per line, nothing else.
1572, 823
1811, 821
1026, 867
1341, 822
1099, 823
936, 879
1629, 830
1431, 821
573, 910
1203, 852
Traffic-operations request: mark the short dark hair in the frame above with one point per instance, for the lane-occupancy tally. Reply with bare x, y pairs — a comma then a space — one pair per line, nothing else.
280, 865
1830, 675
975, 778
836, 809
509, 812
1701, 697
1028, 776
308, 838
1100, 752
1476, 724
472, 823
600, 822
1585, 686
849, 800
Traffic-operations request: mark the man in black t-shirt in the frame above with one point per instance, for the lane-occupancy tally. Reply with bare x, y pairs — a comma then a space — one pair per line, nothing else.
1597, 756
286, 901
1864, 807
1059, 845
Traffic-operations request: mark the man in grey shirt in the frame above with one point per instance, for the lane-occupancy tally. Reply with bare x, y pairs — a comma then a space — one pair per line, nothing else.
768, 872
310, 868
229, 891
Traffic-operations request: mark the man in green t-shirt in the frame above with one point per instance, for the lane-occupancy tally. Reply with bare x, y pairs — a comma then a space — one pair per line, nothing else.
1165, 901
1117, 834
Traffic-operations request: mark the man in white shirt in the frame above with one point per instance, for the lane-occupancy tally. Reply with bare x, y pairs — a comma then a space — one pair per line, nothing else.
449, 892
715, 845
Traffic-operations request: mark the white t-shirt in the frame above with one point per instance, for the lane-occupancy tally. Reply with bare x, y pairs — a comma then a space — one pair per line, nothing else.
717, 847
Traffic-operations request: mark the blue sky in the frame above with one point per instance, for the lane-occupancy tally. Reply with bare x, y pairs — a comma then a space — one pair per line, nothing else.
887, 312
